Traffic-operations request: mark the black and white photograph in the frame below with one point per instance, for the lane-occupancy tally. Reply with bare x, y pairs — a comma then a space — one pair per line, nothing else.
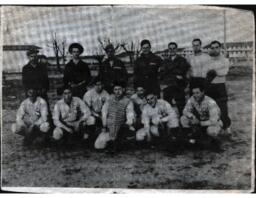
127, 98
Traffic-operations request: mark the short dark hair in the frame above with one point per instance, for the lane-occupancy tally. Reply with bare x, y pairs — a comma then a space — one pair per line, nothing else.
173, 43
145, 41
197, 83
119, 83
32, 51
197, 39
214, 42
150, 92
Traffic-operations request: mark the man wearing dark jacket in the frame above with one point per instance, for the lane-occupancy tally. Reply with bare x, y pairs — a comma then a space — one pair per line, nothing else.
35, 74
112, 69
76, 74
146, 69
175, 76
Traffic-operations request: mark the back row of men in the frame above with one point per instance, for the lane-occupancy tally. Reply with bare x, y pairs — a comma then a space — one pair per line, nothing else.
199, 75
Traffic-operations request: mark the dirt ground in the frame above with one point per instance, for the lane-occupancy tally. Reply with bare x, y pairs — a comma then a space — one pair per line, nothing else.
146, 168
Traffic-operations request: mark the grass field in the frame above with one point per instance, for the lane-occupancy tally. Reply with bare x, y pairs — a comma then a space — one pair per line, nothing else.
146, 168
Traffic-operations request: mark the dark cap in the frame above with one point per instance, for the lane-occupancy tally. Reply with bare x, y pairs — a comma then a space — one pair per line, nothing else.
76, 45
32, 51
145, 41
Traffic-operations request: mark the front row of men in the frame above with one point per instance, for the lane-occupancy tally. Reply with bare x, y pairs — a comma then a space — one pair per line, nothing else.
143, 117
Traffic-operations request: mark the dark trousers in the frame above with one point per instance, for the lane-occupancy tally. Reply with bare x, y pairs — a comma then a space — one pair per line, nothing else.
177, 93
218, 92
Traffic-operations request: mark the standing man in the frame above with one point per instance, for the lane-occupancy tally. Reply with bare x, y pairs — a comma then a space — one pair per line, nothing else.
72, 119
31, 119
201, 115
35, 74
218, 68
112, 69
76, 74
157, 116
117, 119
199, 61
175, 75
146, 68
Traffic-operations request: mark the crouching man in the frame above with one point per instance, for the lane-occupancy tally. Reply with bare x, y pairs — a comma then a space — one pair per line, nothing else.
117, 119
72, 119
158, 117
31, 120
201, 115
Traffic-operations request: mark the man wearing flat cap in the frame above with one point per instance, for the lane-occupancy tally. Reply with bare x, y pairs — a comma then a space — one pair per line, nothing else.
35, 74
146, 68
112, 69
76, 74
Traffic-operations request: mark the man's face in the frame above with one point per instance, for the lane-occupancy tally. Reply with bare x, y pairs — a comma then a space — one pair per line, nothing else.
196, 46
151, 100
145, 49
33, 58
118, 91
140, 91
67, 96
110, 52
215, 49
198, 94
172, 49
98, 87
32, 94
75, 53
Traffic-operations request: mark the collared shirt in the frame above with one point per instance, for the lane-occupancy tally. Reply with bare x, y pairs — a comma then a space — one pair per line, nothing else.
64, 113
199, 64
162, 110
221, 65
139, 103
32, 113
207, 110
95, 100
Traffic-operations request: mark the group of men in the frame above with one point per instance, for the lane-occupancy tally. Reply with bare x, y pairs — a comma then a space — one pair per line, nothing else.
194, 104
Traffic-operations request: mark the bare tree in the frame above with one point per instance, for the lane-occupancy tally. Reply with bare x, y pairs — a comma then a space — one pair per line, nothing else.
59, 50
132, 50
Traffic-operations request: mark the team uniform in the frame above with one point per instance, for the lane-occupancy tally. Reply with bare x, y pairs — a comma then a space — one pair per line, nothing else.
30, 114
151, 119
75, 116
207, 111
116, 114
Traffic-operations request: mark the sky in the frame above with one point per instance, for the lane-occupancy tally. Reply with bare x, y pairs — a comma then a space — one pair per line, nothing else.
161, 25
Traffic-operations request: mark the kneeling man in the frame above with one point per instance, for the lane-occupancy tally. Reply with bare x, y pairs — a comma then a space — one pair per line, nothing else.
31, 121
201, 115
157, 115
117, 119
71, 117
